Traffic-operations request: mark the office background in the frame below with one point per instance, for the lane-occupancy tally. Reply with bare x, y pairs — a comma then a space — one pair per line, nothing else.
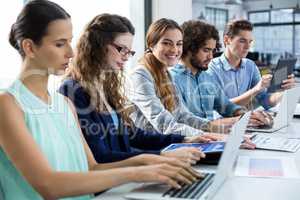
276, 24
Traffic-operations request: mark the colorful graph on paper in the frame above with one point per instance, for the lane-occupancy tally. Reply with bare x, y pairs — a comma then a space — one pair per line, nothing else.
265, 167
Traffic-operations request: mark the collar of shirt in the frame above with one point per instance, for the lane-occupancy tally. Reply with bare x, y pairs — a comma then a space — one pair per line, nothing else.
226, 66
185, 70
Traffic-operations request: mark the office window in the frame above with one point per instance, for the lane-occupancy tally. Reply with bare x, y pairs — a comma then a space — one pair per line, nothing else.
297, 16
282, 15
278, 37
297, 38
259, 17
270, 41
217, 17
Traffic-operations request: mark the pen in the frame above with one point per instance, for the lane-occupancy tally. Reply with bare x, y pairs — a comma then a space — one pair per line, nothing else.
250, 138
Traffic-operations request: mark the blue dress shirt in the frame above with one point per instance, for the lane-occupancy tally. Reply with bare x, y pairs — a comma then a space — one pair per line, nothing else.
200, 94
235, 82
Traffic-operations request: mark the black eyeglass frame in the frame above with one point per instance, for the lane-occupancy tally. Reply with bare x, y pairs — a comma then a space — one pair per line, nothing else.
124, 51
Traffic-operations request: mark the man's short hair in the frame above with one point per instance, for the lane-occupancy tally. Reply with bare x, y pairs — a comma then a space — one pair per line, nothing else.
195, 35
234, 27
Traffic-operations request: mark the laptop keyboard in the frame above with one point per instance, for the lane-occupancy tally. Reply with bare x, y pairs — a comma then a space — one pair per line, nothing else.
265, 126
193, 191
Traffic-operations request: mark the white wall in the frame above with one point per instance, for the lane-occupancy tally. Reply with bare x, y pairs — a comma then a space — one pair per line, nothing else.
178, 10
137, 19
10, 58
11, 61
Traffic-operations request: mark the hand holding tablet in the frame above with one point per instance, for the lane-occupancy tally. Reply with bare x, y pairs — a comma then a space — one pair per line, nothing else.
282, 75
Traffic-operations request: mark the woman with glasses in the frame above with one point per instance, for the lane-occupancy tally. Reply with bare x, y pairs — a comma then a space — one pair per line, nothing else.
95, 85
152, 90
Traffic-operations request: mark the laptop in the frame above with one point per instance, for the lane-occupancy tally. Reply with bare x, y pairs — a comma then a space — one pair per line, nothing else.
284, 68
284, 114
205, 188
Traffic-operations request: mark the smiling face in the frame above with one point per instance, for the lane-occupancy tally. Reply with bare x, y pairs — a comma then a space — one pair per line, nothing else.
168, 49
239, 45
119, 51
55, 50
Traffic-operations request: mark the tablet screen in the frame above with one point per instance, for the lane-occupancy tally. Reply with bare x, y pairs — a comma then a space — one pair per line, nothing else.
284, 68
204, 147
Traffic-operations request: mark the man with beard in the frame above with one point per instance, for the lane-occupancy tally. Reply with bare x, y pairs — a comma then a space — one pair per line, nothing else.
238, 76
195, 86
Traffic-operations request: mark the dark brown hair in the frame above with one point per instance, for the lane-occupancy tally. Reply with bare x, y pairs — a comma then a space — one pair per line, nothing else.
196, 33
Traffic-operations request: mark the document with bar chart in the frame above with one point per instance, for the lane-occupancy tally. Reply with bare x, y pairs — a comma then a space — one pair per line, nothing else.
268, 167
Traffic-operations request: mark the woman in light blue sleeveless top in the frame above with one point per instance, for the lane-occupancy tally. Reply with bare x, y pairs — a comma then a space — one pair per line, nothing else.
42, 152
54, 129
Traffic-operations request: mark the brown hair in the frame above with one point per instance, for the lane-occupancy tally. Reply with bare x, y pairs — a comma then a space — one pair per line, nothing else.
90, 67
233, 28
164, 88
196, 33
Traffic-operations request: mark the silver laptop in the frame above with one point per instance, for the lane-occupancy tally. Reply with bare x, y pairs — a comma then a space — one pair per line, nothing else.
284, 114
207, 187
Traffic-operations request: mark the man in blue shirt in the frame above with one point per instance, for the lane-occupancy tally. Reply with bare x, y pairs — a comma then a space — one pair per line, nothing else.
238, 76
196, 87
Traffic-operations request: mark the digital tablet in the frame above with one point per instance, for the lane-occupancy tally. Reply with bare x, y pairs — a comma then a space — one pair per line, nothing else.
283, 68
212, 150
212, 147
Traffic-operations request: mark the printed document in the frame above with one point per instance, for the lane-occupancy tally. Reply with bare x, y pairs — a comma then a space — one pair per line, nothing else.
267, 167
271, 142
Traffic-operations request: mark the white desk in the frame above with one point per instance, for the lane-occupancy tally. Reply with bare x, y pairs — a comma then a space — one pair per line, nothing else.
245, 188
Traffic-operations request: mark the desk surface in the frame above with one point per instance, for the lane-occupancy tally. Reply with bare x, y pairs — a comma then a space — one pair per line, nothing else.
246, 188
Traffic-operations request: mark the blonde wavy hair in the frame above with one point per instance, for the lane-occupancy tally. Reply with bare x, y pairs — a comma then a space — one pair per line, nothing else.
90, 66
165, 89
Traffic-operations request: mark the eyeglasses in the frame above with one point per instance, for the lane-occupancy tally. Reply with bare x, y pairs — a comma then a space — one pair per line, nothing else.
124, 51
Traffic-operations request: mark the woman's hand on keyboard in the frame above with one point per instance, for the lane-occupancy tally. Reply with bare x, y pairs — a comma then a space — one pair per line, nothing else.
186, 154
165, 173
